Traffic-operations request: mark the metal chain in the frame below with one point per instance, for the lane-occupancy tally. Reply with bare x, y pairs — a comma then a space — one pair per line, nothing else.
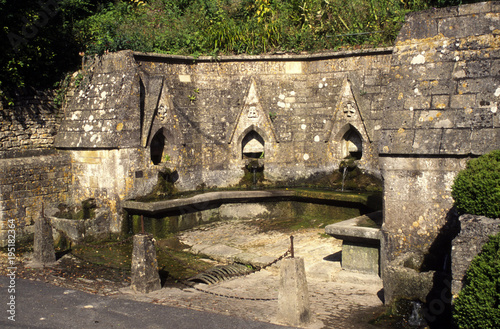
226, 296
191, 285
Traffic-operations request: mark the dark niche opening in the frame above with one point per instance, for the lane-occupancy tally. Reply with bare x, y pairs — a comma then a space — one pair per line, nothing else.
156, 147
352, 144
252, 146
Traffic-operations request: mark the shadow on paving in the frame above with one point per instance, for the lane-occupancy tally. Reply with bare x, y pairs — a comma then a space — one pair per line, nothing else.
41, 305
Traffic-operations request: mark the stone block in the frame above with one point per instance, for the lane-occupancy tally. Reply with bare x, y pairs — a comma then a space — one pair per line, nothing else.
461, 27
398, 141
404, 280
43, 244
484, 140
474, 233
293, 296
476, 8
456, 141
360, 258
463, 101
397, 119
144, 276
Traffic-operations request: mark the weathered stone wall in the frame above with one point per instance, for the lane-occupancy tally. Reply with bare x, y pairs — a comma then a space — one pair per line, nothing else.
444, 84
301, 106
474, 233
29, 125
28, 182
32, 172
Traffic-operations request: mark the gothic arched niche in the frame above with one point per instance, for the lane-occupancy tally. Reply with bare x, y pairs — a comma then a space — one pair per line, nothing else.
352, 144
156, 147
252, 146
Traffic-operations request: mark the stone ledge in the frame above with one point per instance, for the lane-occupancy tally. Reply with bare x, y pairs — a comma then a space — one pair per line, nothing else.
349, 230
139, 56
201, 201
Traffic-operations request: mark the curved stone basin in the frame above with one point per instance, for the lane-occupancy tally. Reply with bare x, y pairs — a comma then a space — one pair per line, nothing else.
219, 197
175, 215
303, 195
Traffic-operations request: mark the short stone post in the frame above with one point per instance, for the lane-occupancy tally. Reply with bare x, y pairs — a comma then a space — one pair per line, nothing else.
145, 277
293, 296
43, 244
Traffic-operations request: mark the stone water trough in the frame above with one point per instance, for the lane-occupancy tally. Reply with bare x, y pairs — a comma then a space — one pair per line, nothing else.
169, 216
360, 242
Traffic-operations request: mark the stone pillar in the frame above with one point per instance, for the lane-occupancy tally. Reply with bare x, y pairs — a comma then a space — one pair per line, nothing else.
43, 244
293, 296
145, 277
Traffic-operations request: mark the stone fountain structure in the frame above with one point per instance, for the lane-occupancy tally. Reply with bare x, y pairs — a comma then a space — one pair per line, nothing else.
412, 114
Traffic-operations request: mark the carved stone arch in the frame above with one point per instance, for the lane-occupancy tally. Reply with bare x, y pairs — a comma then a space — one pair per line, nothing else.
350, 142
166, 138
252, 142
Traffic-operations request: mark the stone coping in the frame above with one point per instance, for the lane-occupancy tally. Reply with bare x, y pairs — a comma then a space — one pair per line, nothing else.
201, 200
272, 57
349, 230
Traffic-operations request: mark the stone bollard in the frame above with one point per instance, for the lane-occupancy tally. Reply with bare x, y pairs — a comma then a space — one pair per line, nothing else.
145, 277
293, 296
43, 244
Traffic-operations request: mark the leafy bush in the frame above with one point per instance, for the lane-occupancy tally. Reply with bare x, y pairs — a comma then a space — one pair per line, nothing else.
476, 189
478, 304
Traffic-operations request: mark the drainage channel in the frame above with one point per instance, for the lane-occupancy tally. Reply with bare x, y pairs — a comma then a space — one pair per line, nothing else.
220, 273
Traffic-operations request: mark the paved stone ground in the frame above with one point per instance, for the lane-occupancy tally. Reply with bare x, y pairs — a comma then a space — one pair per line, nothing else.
339, 299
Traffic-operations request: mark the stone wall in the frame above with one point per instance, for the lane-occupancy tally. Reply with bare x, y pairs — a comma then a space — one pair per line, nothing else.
201, 112
442, 109
474, 233
27, 183
32, 172
30, 125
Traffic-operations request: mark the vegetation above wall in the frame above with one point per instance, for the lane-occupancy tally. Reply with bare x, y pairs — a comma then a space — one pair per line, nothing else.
43, 40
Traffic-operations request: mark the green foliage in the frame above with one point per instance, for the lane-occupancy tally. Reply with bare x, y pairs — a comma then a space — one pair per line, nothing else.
476, 189
38, 43
478, 304
41, 43
211, 27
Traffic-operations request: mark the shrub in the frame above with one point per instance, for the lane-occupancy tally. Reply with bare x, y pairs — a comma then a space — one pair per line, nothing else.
478, 304
476, 189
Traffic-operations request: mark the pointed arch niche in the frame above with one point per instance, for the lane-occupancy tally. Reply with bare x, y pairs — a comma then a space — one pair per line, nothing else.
156, 147
252, 146
351, 143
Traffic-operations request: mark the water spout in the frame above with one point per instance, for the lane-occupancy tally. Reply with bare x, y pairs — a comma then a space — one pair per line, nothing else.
416, 318
344, 175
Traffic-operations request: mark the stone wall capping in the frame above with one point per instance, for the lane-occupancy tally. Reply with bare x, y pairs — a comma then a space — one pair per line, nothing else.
140, 56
